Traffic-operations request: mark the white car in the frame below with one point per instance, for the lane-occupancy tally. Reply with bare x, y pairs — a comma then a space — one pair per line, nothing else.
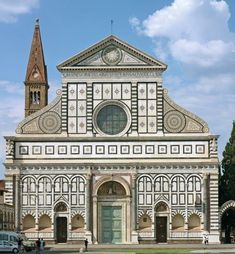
8, 247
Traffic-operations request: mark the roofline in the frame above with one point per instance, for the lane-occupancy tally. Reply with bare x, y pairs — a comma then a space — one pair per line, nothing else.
97, 45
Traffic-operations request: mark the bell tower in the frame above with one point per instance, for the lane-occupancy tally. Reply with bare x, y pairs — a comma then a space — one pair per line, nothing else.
36, 83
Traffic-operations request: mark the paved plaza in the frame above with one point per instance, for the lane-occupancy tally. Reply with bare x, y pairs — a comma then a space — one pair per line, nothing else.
197, 248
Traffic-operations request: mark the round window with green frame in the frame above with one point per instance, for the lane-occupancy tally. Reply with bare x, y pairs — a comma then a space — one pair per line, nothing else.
112, 118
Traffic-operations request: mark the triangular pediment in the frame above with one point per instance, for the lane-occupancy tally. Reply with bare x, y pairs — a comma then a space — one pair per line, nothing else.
111, 52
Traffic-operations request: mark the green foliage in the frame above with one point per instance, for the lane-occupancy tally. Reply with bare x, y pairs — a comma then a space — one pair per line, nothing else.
227, 178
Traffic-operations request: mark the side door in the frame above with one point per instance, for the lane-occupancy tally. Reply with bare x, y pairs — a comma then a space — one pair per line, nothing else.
7, 246
161, 229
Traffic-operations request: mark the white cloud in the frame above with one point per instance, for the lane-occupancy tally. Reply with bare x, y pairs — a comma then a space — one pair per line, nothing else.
11, 87
210, 98
206, 54
11, 113
11, 9
197, 31
195, 19
194, 38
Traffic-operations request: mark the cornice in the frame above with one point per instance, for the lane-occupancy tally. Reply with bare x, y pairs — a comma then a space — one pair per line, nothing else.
66, 138
115, 41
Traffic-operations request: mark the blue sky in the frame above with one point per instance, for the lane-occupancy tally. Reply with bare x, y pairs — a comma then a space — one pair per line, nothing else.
196, 38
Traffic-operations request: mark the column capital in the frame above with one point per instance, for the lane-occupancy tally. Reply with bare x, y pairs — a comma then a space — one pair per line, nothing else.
88, 176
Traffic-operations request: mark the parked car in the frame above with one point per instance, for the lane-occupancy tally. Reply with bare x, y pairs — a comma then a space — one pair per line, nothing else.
8, 247
13, 237
28, 244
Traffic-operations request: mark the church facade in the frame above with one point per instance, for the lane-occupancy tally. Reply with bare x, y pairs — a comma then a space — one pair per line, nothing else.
112, 158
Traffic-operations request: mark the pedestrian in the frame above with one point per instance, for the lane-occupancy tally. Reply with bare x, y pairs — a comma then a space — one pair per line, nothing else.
42, 244
206, 239
86, 244
38, 246
20, 245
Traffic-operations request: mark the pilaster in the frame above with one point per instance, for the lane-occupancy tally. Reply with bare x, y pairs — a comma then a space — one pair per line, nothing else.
95, 221
214, 209
134, 234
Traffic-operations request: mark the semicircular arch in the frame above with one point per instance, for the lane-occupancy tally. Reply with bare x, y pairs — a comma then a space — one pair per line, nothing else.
118, 179
227, 205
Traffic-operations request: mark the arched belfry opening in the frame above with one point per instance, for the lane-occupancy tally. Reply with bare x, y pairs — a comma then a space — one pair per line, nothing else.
111, 204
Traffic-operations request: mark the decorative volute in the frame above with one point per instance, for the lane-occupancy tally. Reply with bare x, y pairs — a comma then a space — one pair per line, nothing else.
36, 83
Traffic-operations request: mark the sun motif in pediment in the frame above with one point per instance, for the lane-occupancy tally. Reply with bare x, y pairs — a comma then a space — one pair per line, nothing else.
111, 55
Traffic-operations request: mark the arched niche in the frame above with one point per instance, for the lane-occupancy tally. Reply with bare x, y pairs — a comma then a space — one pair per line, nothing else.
44, 223
78, 223
111, 188
178, 222
145, 223
29, 223
194, 222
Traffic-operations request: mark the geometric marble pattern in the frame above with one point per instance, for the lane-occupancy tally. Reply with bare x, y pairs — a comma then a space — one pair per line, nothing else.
147, 107
77, 95
117, 149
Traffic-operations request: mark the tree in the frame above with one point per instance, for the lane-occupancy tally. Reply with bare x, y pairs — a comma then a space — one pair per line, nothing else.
227, 178
227, 186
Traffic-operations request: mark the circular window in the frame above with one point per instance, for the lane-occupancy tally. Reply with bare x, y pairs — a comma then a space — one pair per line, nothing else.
111, 119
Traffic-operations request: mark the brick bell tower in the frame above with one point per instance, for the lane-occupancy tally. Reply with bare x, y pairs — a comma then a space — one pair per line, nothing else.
36, 83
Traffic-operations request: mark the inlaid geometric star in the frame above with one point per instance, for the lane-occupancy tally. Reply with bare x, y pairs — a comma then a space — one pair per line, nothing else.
151, 107
81, 108
72, 125
152, 124
142, 107
126, 91
151, 90
116, 91
81, 125
72, 108
141, 90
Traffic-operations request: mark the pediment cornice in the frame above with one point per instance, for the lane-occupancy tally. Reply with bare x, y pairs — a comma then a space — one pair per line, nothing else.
90, 58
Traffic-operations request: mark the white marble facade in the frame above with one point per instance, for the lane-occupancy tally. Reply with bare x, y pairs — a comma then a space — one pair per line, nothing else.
113, 158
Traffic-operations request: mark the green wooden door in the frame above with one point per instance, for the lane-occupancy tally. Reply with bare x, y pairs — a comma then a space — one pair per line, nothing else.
111, 224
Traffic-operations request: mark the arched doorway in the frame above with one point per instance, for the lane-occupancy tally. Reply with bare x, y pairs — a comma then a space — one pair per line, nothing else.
227, 222
61, 222
111, 208
161, 222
